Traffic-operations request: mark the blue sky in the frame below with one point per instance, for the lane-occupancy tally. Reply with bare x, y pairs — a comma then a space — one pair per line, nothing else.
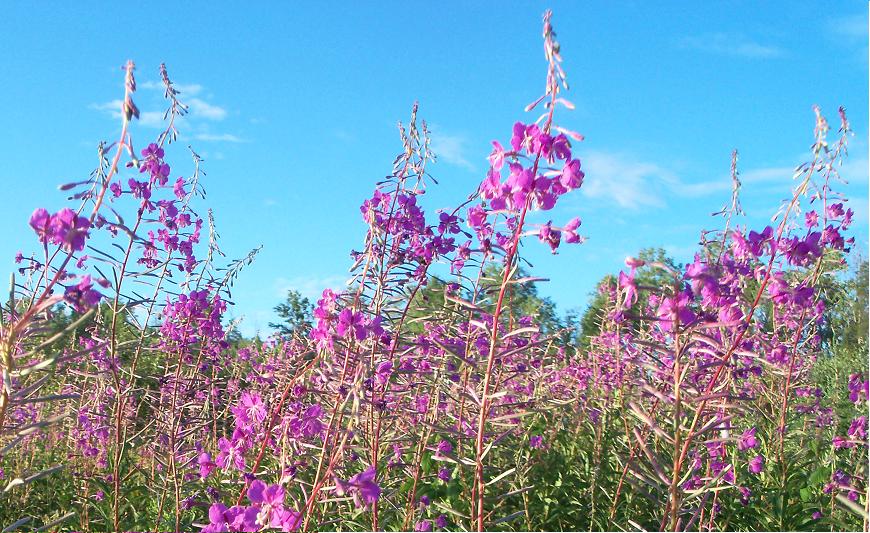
294, 108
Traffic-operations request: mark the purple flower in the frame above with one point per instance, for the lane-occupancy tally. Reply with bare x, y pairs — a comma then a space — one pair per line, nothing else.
550, 236
250, 411
858, 428
536, 441
570, 231
747, 440
236, 518
840, 442
39, 221
496, 158
231, 453
571, 176
206, 465
64, 228
350, 321
423, 525
441, 521
519, 136
69, 229
363, 486
756, 464
857, 388
444, 447
677, 305
82, 296
269, 501
444, 474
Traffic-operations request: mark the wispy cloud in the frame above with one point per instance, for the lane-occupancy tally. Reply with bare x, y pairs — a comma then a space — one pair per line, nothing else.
344, 135
219, 137
855, 168
451, 149
113, 107
310, 287
681, 251
767, 175
201, 112
629, 184
734, 45
191, 89
632, 184
149, 119
852, 27
201, 109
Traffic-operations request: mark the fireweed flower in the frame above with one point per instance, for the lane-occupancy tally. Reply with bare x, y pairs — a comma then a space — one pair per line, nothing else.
858, 388
496, 158
206, 465
236, 518
362, 486
858, 428
570, 231
745, 494
550, 236
232, 452
571, 176
747, 440
39, 221
444, 447
756, 464
840, 442
65, 228
269, 502
82, 296
250, 411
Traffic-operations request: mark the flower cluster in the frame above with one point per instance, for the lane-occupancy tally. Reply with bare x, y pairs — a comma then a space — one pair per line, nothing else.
64, 228
266, 511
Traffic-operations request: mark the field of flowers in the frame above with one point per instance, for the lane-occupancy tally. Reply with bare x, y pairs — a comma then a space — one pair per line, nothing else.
430, 394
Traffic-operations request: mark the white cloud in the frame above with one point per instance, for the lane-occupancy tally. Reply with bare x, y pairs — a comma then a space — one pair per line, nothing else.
853, 27
310, 287
854, 169
627, 183
767, 175
113, 107
680, 251
732, 45
450, 148
201, 109
191, 89
219, 137
149, 119
633, 184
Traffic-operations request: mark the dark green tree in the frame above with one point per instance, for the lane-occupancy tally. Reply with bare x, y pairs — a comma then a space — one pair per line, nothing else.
296, 314
646, 276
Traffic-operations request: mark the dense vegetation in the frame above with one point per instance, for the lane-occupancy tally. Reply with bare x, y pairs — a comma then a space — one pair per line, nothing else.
439, 390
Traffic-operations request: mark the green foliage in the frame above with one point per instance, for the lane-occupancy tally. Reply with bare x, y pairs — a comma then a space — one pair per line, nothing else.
647, 276
295, 313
